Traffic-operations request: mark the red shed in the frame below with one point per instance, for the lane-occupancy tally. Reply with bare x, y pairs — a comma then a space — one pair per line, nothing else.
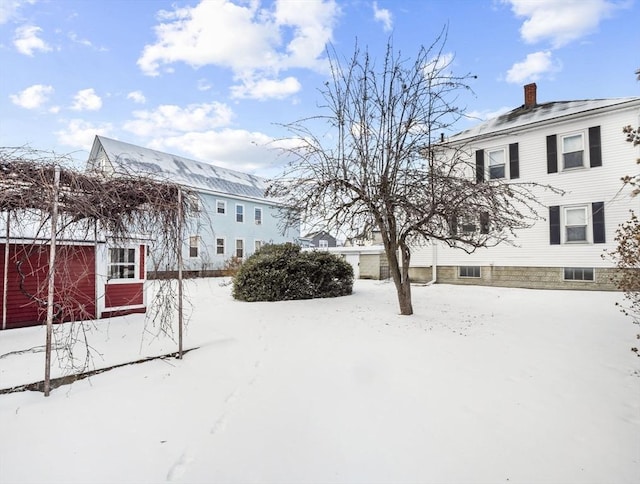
92, 280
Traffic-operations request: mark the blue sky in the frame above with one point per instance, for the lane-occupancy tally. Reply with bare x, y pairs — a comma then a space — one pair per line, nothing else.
213, 80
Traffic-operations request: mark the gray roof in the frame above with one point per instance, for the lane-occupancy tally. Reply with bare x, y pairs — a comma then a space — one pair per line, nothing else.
129, 158
540, 113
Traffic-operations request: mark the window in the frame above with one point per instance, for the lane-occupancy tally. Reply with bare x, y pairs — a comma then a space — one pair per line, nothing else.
496, 164
469, 271
323, 243
572, 151
257, 245
258, 216
239, 213
239, 248
575, 223
122, 263
220, 246
578, 274
194, 242
221, 207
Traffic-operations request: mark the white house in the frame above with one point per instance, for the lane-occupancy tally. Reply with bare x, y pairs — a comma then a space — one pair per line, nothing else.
575, 146
235, 217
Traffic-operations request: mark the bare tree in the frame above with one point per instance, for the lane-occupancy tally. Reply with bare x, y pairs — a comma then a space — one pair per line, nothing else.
376, 159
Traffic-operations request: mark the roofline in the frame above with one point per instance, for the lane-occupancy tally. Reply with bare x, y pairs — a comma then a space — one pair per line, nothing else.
624, 104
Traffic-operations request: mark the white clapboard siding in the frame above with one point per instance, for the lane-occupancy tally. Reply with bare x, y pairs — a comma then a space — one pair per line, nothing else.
581, 186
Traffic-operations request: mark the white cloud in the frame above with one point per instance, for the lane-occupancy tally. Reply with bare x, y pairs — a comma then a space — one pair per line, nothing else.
560, 21
226, 148
171, 120
86, 99
32, 97
533, 68
383, 15
137, 97
204, 85
247, 39
80, 134
9, 9
266, 89
26, 40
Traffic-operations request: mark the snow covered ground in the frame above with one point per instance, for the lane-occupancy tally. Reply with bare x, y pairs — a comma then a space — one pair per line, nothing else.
480, 385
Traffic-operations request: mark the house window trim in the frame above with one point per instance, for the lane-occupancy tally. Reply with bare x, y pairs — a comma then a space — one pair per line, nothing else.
224, 207
473, 269
256, 218
224, 246
588, 224
235, 248
194, 250
593, 274
585, 152
504, 164
241, 214
135, 263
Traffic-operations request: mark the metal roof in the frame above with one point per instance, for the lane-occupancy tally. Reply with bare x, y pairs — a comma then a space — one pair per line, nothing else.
129, 158
527, 115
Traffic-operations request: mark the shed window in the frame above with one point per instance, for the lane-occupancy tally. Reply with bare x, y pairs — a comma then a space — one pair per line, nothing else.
122, 263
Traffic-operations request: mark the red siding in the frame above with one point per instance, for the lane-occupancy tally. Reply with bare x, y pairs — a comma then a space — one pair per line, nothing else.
142, 267
74, 284
118, 295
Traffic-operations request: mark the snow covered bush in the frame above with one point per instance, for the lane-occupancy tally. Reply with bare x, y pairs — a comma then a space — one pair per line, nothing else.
283, 272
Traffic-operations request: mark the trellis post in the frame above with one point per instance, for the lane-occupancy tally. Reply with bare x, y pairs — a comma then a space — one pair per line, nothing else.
180, 261
5, 280
51, 281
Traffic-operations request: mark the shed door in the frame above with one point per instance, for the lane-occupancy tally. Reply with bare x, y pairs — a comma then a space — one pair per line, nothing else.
354, 260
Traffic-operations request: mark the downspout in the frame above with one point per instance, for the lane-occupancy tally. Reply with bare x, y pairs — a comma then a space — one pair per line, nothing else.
434, 264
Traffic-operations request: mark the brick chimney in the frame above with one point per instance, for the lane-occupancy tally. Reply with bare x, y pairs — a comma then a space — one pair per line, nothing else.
530, 95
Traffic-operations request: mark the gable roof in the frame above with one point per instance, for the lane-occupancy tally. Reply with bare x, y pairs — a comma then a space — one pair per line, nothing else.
128, 158
525, 116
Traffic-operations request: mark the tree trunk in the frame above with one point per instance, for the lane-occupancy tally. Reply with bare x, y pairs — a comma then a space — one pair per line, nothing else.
400, 276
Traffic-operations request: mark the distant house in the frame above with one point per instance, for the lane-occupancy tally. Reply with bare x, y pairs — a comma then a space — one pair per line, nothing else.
321, 240
575, 146
235, 217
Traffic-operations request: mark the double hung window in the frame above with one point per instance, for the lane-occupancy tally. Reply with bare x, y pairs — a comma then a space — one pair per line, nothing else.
575, 224
573, 151
239, 213
220, 246
496, 164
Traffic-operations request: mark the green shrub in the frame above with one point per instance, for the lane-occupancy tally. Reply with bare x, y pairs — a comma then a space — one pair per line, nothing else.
283, 272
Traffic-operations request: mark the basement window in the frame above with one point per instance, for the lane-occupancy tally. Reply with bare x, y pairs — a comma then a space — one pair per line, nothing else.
578, 274
469, 271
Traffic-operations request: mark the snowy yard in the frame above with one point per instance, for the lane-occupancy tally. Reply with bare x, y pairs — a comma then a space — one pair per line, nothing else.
480, 385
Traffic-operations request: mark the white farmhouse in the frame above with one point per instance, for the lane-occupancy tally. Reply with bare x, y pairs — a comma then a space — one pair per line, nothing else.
575, 146
235, 217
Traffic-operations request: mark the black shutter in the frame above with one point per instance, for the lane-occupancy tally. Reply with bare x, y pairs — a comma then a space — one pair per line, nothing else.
480, 166
554, 225
597, 212
595, 148
552, 154
484, 222
514, 161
